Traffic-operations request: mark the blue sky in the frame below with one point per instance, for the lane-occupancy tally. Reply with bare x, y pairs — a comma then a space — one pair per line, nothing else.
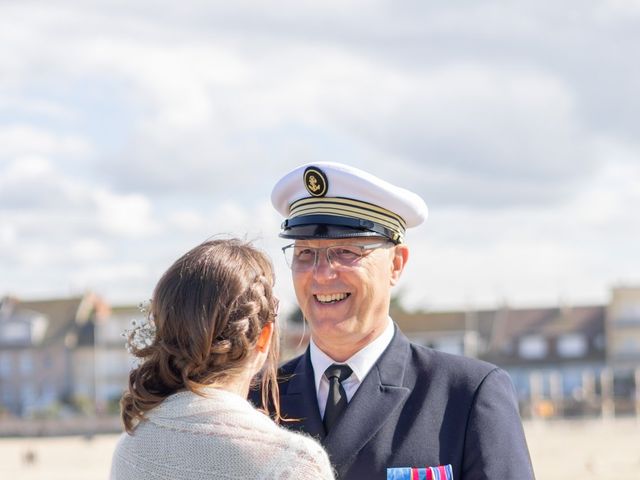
130, 133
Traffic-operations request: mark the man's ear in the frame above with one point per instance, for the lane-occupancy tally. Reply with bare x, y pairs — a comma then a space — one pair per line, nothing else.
400, 258
264, 340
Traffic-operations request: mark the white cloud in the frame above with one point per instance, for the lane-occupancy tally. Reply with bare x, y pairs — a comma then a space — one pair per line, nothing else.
177, 81
132, 132
7, 235
128, 280
18, 140
124, 215
31, 182
608, 201
522, 272
618, 9
89, 249
41, 108
536, 255
486, 122
36, 187
186, 220
109, 273
55, 223
27, 168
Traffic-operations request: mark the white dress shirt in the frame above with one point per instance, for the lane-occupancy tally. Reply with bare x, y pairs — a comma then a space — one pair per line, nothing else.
360, 363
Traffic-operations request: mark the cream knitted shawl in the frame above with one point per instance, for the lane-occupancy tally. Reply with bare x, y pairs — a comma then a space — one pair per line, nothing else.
218, 437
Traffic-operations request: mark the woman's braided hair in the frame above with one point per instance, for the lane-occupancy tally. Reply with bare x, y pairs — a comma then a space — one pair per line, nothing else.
209, 309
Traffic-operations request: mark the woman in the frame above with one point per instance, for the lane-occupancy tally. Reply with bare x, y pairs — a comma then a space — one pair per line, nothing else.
185, 412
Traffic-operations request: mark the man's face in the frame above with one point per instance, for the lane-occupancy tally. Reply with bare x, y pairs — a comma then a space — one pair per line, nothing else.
348, 306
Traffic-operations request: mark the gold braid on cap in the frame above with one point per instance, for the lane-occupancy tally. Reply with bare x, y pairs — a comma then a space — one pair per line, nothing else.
349, 208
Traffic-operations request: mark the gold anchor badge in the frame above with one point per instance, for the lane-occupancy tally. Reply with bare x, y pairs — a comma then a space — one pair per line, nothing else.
316, 182
313, 184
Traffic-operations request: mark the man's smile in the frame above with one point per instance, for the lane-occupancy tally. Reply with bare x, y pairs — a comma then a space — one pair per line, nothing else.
331, 298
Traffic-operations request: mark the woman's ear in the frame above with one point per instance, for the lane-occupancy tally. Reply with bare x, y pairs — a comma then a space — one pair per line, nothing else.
264, 340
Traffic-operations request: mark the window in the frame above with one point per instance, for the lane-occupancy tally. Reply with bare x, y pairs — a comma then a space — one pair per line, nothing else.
6, 364
49, 394
629, 346
573, 382
26, 362
628, 315
572, 345
15, 332
533, 347
7, 396
599, 341
29, 394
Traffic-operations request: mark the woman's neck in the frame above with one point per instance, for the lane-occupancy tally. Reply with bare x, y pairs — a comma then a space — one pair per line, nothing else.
239, 385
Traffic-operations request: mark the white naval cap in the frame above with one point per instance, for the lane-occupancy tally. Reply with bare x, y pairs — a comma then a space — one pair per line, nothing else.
333, 200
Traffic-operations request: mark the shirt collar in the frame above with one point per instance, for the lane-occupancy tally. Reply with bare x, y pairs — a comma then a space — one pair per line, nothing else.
360, 362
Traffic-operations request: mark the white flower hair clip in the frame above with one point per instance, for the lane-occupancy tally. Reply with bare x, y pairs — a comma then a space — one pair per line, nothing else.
141, 334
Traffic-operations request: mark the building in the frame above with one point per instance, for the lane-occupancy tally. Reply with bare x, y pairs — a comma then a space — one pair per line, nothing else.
623, 343
563, 360
69, 355
623, 325
113, 361
47, 354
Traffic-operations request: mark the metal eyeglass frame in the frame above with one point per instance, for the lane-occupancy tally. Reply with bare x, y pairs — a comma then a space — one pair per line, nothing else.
330, 258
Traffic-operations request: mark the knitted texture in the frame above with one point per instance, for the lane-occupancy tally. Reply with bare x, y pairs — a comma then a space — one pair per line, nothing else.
218, 437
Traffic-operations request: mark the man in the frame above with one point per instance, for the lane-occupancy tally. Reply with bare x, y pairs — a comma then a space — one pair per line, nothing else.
382, 406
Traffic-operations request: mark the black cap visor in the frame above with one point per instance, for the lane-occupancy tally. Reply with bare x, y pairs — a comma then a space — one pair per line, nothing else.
309, 227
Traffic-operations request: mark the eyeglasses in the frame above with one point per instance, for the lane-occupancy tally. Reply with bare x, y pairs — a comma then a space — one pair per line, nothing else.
302, 259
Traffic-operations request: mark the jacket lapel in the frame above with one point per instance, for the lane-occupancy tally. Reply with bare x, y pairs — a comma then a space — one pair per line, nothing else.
378, 396
300, 401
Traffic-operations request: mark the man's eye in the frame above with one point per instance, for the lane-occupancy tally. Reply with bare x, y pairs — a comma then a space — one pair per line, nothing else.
305, 254
346, 253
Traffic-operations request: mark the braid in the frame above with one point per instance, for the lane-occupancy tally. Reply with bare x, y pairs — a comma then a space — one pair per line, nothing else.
210, 308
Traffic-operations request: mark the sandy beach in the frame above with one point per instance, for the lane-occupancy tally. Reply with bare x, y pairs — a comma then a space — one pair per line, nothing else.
561, 450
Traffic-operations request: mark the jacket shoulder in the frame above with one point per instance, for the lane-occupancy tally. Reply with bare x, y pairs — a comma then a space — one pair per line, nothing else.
285, 372
452, 368
290, 366
289, 370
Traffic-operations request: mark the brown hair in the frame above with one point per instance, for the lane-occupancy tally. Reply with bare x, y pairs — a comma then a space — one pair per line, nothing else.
209, 309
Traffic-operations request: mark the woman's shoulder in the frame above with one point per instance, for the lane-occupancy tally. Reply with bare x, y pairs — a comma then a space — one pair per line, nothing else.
298, 440
309, 459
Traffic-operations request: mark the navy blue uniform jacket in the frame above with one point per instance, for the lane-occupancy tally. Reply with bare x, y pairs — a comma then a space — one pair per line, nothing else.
417, 407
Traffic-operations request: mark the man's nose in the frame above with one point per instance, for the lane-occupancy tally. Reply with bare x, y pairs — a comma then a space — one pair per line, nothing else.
323, 266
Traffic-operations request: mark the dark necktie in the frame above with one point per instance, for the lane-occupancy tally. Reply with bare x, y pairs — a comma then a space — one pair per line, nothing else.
337, 399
